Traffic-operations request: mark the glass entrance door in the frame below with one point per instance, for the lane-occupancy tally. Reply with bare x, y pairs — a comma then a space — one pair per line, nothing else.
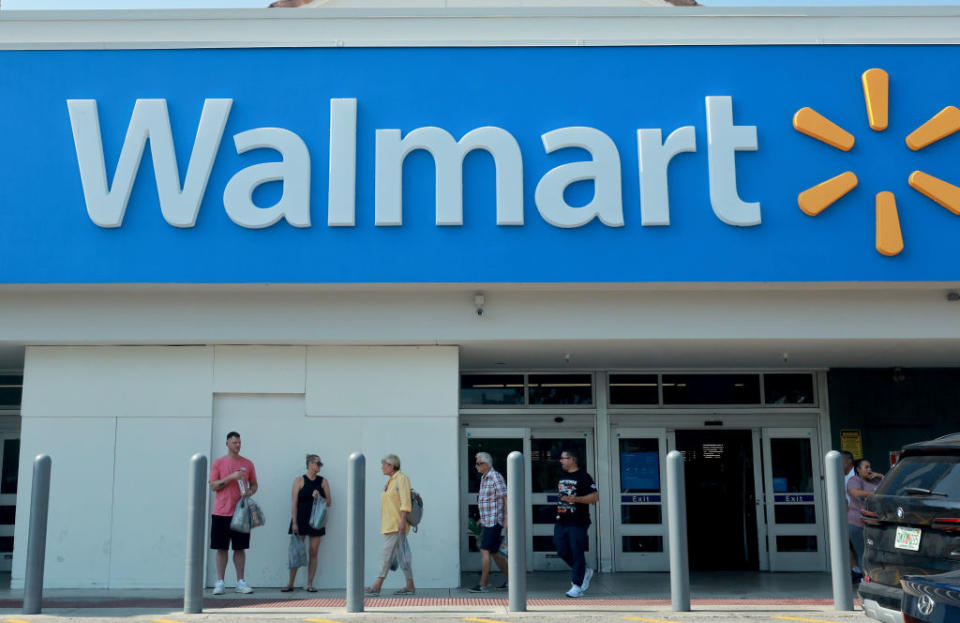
9, 466
640, 539
545, 449
792, 492
499, 442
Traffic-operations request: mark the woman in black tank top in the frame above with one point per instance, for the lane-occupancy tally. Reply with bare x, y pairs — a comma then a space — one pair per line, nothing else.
306, 488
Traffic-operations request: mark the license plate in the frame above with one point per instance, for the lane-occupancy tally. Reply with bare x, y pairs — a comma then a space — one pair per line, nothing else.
908, 538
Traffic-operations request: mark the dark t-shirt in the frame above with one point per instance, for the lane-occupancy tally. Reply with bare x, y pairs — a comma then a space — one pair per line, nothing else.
577, 483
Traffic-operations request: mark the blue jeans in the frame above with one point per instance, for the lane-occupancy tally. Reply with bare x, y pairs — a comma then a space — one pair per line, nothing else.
571, 544
856, 539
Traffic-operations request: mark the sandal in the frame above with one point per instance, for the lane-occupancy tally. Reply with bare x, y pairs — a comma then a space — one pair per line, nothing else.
286, 589
310, 589
370, 592
405, 591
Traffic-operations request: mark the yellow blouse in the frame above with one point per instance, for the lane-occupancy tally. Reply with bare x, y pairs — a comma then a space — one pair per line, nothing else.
394, 499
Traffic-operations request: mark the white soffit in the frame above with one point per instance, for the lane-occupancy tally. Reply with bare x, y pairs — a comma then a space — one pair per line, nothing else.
487, 25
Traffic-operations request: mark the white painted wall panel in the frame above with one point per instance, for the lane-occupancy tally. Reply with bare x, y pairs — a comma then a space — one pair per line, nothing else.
397, 381
259, 369
75, 400
150, 499
81, 498
117, 381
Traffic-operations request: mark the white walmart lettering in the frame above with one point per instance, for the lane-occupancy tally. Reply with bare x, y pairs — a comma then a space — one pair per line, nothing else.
106, 202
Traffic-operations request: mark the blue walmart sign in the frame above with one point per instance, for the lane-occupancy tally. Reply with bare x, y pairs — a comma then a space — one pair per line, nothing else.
642, 164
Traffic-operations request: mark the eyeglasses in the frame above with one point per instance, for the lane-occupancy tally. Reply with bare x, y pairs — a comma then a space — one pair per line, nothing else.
479, 463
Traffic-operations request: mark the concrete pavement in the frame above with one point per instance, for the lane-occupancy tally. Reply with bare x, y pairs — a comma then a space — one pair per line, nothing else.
620, 597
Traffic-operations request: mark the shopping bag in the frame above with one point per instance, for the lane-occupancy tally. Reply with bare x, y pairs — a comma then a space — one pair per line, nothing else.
318, 514
504, 550
257, 518
402, 557
297, 552
241, 517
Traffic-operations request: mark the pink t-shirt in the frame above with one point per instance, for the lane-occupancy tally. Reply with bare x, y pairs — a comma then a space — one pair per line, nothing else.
226, 499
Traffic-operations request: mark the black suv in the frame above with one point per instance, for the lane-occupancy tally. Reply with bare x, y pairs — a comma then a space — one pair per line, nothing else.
912, 524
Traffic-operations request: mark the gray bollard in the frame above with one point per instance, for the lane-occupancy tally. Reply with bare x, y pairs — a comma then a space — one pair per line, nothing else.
37, 539
196, 520
356, 490
677, 533
839, 534
516, 533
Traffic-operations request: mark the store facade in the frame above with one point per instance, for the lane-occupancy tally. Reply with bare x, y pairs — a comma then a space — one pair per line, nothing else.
491, 229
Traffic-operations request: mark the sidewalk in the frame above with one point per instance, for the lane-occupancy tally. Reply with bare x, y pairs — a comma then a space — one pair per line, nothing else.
720, 592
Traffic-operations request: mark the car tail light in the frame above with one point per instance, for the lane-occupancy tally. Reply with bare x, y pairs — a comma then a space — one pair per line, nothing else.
869, 517
909, 619
948, 524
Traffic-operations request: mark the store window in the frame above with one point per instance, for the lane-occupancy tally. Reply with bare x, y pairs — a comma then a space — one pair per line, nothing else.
788, 389
711, 389
634, 389
491, 389
11, 390
560, 389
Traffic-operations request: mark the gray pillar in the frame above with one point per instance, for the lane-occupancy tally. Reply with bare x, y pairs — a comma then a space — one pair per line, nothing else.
356, 490
516, 533
196, 520
677, 533
37, 539
839, 535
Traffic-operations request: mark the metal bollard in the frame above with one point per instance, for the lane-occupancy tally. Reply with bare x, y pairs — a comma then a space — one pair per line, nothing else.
356, 490
839, 534
37, 539
196, 519
516, 533
677, 533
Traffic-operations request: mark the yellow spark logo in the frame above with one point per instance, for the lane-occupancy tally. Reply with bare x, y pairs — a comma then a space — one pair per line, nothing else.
815, 200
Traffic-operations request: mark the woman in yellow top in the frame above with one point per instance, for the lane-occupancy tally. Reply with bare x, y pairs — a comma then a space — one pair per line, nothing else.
394, 506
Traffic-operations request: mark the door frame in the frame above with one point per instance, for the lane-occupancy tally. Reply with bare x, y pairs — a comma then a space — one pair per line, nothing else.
550, 561
470, 561
638, 561
7, 499
798, 561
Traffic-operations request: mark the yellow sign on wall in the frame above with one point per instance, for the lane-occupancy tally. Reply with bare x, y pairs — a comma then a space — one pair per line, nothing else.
852, 442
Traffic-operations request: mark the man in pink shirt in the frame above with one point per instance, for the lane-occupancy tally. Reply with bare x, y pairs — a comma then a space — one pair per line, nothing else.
231, 477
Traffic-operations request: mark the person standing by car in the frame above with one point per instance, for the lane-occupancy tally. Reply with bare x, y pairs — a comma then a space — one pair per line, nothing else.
864, 482
492, 502
577, 491
306, 489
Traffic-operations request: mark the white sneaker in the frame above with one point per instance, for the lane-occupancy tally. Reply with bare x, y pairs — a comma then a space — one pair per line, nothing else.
575, 591
218, 588
587, 576
243, 587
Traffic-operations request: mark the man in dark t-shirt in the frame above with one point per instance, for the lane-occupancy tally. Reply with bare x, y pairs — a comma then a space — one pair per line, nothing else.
577, 491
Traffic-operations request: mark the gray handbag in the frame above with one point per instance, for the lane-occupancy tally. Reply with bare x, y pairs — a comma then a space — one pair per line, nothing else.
318, 514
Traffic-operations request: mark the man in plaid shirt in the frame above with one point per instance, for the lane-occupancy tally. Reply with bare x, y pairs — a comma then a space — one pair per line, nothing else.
492, 501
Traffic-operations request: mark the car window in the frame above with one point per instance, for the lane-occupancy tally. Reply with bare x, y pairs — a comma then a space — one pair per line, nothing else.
936, 473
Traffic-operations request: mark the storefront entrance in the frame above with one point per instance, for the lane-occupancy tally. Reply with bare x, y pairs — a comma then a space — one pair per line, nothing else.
541, 450
721, 499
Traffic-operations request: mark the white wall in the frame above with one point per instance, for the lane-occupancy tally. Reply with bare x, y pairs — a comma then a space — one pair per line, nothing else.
121, 423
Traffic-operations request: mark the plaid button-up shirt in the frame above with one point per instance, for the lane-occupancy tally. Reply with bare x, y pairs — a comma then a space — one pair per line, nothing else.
490, 499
